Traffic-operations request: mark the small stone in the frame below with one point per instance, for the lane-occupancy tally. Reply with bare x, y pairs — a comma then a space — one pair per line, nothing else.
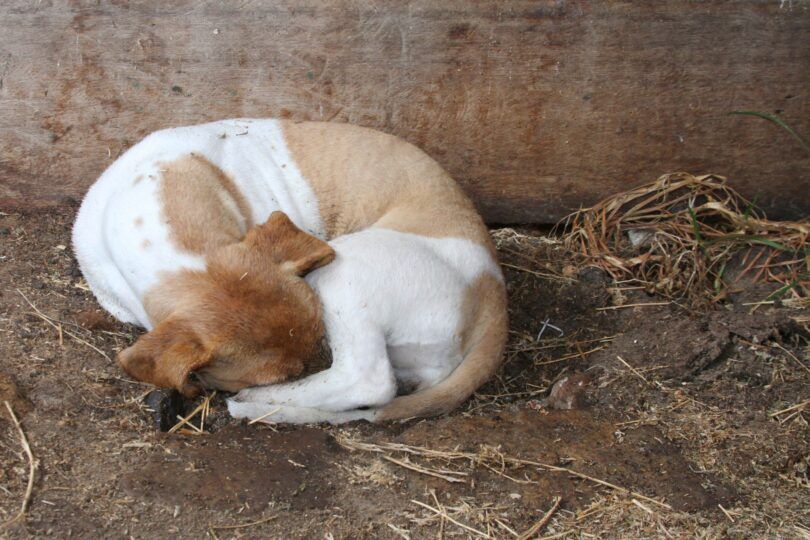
569, 392
94, 319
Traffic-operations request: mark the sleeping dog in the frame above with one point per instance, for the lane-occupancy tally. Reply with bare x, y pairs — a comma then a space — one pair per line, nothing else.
240, 244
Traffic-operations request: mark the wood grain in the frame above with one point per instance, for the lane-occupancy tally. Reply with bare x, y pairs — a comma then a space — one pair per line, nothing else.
535, 107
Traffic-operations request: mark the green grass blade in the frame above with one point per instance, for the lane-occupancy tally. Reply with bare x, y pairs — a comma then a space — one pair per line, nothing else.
749, 239
776, 120
780, 292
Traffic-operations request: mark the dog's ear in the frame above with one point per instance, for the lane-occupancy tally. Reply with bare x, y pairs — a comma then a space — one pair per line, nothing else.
166, 357
291, 248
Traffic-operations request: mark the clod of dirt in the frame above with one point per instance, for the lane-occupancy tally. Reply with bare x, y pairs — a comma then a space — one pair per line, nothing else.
94, 319
165, 406
9, 391
569, 392
592, 274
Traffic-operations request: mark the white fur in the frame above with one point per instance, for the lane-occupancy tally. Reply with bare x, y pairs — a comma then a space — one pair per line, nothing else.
392, 310
108, 245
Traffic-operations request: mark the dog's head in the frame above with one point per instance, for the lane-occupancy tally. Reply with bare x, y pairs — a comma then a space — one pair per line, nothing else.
249, 319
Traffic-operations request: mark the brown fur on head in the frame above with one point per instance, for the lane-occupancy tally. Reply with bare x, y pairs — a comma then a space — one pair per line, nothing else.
248, 319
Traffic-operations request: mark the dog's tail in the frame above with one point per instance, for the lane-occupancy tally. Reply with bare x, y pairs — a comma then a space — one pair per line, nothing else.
484, 346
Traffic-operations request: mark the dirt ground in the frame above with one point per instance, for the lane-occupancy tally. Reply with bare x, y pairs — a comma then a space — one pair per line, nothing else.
680, 407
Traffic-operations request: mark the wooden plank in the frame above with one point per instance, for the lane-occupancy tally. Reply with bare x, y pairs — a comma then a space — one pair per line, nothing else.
535, 107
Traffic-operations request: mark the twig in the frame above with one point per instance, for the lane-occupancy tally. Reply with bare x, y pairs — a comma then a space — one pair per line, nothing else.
537, 527
402, 533
185, 420
448, 518
265, 415
570, 356
633, 305
726, 512
189, 424
417, 468
563, 343
794, 357
536, 273
558, 535
32, 468
638, 503
634, 370
797, 406
59, 329
547, 324
243, 525
473, 458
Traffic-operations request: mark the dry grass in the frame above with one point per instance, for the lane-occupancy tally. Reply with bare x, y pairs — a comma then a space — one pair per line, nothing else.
678, 235
33, 463
487, 456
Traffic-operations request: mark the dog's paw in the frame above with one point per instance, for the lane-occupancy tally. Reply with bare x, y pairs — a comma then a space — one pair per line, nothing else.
248, 409
249, 395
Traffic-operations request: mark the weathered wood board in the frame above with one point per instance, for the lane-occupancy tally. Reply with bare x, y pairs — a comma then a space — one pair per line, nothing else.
535, 107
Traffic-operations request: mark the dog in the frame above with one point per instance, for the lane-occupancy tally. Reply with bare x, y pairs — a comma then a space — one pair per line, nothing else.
241, 244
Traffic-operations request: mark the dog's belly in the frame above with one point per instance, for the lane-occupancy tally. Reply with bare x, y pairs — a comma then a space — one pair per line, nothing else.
421, 365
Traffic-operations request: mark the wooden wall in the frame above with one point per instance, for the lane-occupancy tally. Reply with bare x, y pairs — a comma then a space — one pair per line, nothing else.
535, 107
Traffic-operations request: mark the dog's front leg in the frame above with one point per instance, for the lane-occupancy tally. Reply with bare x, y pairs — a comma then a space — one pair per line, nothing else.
284, 414
360, 376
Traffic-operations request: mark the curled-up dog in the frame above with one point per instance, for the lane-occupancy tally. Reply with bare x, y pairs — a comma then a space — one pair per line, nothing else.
241, 244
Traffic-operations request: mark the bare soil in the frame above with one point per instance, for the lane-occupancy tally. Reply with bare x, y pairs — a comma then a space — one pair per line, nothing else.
676, 405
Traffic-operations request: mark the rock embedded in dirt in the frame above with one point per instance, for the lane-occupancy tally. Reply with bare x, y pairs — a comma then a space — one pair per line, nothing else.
592, 274
9, 391
165, 406
94, 319
569, 392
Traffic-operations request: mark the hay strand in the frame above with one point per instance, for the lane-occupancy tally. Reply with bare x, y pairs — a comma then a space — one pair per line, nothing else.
679, 233
32, 468
486, 455
537, 527
444, 515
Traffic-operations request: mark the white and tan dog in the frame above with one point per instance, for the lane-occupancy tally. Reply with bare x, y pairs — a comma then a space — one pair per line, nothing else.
214, 237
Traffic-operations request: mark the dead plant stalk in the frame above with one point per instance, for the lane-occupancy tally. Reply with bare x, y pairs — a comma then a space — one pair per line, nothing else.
32, 468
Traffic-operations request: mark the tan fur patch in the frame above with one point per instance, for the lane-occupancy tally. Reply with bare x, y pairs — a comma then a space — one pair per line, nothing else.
194, 191
483, 331
484, 301
365, 178
247, 320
